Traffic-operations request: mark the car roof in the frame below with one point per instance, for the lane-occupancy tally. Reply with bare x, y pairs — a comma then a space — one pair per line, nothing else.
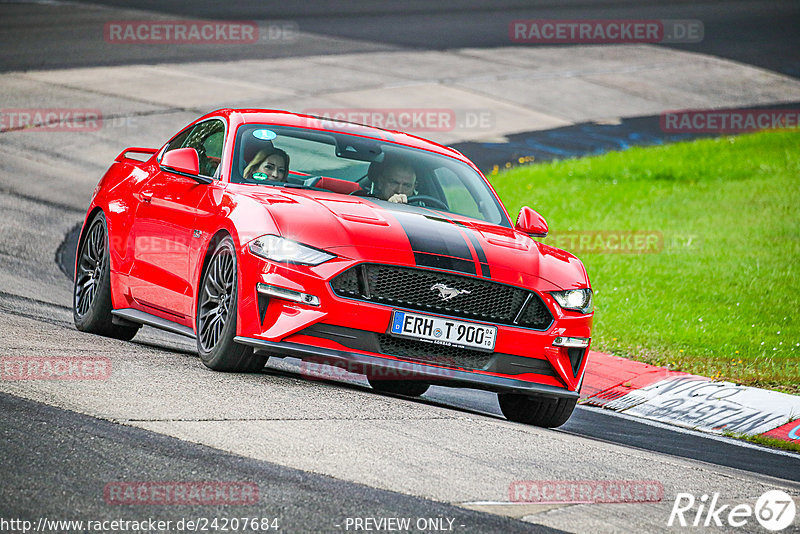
237, 117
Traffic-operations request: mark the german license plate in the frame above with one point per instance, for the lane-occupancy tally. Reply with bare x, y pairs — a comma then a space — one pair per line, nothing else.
443, 331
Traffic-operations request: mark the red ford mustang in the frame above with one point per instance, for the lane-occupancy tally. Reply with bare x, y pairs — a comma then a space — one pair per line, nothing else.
270, 234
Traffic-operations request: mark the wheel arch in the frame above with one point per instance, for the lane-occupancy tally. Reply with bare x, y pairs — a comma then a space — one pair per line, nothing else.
82, 237
218, 236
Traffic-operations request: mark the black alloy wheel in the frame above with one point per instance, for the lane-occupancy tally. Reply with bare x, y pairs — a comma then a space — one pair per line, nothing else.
216, 315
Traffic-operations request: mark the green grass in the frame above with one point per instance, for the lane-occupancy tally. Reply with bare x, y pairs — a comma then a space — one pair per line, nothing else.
721, 297
766, 441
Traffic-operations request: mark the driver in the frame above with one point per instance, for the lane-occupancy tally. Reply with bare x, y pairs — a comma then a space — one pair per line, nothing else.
393, 180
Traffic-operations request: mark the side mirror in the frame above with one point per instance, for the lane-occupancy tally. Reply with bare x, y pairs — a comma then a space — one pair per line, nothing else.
184, 161
531, 223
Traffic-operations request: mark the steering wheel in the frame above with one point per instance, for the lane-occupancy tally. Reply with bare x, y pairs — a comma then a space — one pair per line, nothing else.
428, 200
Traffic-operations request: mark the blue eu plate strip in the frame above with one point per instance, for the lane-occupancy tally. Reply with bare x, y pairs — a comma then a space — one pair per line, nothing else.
397, 325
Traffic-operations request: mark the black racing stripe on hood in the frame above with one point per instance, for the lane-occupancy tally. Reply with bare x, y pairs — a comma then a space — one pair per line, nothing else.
476, 244
444, 262
436, 243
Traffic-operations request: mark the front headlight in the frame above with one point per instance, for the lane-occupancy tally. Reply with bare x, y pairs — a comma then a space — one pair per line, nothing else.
276, 248
574, 299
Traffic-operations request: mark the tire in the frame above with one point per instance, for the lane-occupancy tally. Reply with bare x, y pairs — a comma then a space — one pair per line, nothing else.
216, 315
399, 387
539, 411
91, 294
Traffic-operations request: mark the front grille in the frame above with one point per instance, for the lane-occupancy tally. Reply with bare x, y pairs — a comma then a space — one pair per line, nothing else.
432, 353
413, 289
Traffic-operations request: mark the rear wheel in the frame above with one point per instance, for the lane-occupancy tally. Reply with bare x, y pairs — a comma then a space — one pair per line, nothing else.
539, 411
399, 387
91, 296
216, 315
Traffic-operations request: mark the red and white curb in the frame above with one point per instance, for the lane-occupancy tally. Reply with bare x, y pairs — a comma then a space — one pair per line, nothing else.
686, 400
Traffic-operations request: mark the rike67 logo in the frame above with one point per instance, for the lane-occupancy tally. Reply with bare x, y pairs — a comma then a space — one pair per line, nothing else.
774, 510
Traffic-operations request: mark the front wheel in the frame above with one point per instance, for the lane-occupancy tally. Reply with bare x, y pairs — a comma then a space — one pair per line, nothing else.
91, 295
539, 411
216, 316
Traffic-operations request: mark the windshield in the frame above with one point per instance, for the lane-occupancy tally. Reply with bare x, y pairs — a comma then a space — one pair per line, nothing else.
280, 156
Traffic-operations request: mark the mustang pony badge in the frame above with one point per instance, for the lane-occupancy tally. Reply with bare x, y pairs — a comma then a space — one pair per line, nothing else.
447, 293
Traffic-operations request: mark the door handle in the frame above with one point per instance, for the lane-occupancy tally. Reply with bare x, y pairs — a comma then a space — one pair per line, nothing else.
147, 196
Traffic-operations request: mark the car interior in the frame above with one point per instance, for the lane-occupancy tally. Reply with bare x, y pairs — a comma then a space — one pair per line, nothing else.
339, 163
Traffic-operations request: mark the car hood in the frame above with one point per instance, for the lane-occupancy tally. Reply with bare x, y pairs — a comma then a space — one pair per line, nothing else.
368, 229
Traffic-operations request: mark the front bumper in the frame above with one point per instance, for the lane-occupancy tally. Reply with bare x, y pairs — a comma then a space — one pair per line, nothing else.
368, 365
524, 360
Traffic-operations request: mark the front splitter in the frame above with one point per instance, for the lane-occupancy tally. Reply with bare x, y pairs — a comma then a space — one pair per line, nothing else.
404, 368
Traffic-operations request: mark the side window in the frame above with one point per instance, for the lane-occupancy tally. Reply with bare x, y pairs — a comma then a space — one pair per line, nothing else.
213, 145
178, 141
207, 138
